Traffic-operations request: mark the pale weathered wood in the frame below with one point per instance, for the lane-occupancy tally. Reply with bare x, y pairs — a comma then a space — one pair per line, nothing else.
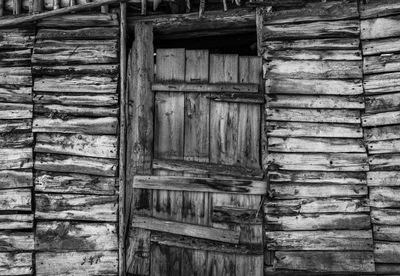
77, 100
16, 200
389, 146
345, 262
75, 263
16, 241
319, 240
207, 168
313, 44
16, 94
384, 63
105, 125
354, 178
295, 129
389, 269
381, 119
313, 55
185, 229
15, 58
315, 102
81, 33
76, 164
55, 236
16, 158
76, 207
380, 27
276, 144
316, 205
382, 133
385, 216
384, 197
292, 191
15, 111
79, 20
380, 46
16, 140
383, 178
382, 83
56, 70
138, 251
345, 28
76, 84
17, 38
312, 69
63, 111
77, 144
386, 233
204, 87
229, 214
314, 115
15, 179
382, 103
213, 185
16, 263
16, 221
318, 162
74, 183
7, 126
15, 76
386, 252
379, 8
315, 86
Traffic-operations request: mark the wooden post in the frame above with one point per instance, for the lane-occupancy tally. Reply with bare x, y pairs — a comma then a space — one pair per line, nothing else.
56, 4
1, 7
37, 6
144, 7
202, 7
122, 140
17, 7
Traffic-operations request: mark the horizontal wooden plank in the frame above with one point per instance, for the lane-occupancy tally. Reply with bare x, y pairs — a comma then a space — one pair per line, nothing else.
387, 269
79, 20
385, 63
204, 244
383, 178
382, 133
15, 241
327, 11
66, 52
77, 263
312, 69
15, 58
277, 144
15, 111
76, 164
313, 55
315, 102
64, 111
299, 129
75, 69
313, 44
388, 146
16, 158
16, 221
81, 33
384, 162
387, 252
204, 87
72, 183
193, 184
382, 83
16, 263
313, 87
314, 115
76, 207
185, 229
319, 240
206, 168
386, 233
21, 38
384, 197
15, 125
344, 262
317, 162
16, 76
16, 200
77, 100
292, 191
64, 235
345, 28
380, 27
229, 214
16, 140
381, 119
382, 103
76, 84
15, 179
354, 178
378, 8
105, 125
380, 46
385, 216
105, 146
316, 205
239, 97
337, 221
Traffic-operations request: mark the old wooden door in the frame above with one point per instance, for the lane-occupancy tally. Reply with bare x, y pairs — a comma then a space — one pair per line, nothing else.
198, 209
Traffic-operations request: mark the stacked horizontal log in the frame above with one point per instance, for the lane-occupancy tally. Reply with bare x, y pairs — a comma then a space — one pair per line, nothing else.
75, 124
380, 34
317, 216
16, 158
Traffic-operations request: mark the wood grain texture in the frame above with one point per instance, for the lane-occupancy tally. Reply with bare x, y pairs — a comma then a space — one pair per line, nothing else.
312, 44
313, 55
16, 200
384, 162
382, 103
314, 102
384, 197
15, 179
380, 27
84, 125
381, 83
385, 216
355, 178
16, 158
76, 207
382, 133
16, 241
13, 94
15, 111
388, 146
63, 111
386, 233
7, 126
16, 76
291, 191
380, 46
76, 69
15, 58
16, 263
384, 63
16, 221
77, 20
376, 8
77, 33
102, 100
386, 252
16, 140
383, 178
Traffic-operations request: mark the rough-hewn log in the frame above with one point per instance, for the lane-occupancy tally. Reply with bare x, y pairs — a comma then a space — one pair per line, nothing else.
347, 178
15, 179
387, 252
389, 146
313, 55
292, 191
16, 263
382, 103
382, 83
16, 94
16, 221
315, 102
383, 178
63, 111
76, 207
380, 27
17, 38
15, 58
379, 8
15, 111
384, 197
81, 33
103, 100
387, 233
16, 76
380, 46
16, 140
15, 241
313, 44
190, 25
60, 70
16, 200
381, 119
16, 158
385, 63
385, 216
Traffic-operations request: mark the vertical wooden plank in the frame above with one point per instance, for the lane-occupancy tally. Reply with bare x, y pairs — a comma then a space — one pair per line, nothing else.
165, 260
139, 152
17, 7
105, 9
221, 264
56, 4
1, 7
194, 262
138, 252
37, 6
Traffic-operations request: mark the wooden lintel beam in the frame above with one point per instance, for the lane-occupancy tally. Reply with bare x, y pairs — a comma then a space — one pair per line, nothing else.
205, 87
7, 22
